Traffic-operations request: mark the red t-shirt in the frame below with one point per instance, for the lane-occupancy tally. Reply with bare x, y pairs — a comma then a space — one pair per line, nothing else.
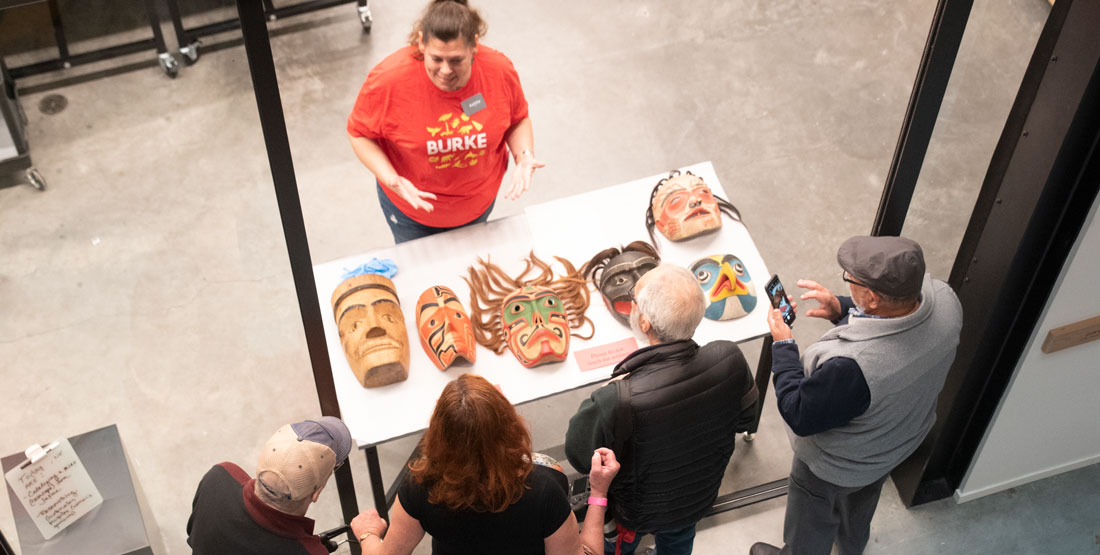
431, 142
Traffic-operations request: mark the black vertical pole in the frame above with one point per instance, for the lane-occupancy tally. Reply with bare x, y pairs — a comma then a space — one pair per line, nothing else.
154, 23
59, 31
377, 486
763, 378
261, 64
940, 50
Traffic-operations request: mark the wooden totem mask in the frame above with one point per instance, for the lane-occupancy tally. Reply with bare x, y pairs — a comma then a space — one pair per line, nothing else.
372, 329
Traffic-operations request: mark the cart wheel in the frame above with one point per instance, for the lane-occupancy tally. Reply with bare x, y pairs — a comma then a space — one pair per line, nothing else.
36, 179
190, 53
169, 64
749, 437
365, 18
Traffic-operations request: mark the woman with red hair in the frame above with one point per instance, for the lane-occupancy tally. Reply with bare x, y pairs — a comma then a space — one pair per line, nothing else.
475, 489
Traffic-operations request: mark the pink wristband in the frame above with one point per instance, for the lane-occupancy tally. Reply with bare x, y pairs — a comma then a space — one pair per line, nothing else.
601, 501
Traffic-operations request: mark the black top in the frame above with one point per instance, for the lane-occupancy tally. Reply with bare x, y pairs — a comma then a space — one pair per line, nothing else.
520, 529
227, 517
831, 397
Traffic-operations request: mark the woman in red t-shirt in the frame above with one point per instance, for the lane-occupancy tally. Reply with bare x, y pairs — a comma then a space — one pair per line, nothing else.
435, 121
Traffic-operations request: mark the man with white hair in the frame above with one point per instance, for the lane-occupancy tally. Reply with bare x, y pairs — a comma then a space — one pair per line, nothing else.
670, 413
233, 513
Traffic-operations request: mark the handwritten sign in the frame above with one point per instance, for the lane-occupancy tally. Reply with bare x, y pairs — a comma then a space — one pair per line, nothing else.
605, 355
56, 490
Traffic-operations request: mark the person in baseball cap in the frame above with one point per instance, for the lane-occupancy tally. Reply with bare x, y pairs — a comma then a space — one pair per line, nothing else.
295, 464
234, 513
861, 399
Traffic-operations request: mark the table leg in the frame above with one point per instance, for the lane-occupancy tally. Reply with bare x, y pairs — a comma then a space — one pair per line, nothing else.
59, 32
377, 488
391, 493
349, 506
763, 376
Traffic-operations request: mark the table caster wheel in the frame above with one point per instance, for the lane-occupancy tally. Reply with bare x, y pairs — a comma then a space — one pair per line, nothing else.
36, 179
169, 64
190, 53
749, 437
365, 18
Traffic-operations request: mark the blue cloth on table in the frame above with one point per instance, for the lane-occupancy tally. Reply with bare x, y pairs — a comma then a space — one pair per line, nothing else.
381, 266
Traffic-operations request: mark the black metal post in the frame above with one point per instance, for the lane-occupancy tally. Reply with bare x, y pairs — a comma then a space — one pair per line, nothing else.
763, 377
154, 23
58, 31
261, 64
377, 486
940, 50
182, 37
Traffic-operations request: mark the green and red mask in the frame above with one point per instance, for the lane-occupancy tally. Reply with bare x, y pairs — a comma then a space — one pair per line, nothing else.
536, 326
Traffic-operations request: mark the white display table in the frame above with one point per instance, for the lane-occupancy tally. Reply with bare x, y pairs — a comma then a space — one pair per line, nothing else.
575, 228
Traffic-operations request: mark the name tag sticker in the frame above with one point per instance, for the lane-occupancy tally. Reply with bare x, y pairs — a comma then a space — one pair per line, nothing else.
473, 105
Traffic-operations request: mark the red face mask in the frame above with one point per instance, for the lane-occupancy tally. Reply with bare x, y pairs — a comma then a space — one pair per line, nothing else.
444, 327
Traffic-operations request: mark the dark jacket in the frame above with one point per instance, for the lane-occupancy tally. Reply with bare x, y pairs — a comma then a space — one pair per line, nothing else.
671, 420
228, 517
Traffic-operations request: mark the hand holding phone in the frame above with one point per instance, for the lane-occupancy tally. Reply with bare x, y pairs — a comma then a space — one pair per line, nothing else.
778, 297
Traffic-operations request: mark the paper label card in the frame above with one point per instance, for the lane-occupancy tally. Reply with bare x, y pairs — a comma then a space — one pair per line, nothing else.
56, 490
605, 355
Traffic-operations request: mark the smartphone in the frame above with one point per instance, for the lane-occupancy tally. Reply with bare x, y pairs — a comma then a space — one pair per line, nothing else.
778, 296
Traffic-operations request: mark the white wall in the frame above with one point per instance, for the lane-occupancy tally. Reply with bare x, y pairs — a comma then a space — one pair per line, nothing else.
1048, 422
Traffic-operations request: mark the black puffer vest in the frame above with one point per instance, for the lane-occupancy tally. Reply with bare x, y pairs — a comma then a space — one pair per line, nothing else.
674, 428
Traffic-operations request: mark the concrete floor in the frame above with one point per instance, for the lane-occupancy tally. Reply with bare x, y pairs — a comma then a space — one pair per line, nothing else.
150, 287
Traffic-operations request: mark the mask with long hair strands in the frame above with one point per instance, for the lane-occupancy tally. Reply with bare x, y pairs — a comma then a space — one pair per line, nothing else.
532, 313
615, 272
682, 206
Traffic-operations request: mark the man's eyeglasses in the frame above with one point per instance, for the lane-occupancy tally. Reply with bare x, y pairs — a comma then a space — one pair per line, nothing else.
844, 276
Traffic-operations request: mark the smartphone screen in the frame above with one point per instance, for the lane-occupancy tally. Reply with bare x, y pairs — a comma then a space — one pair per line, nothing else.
778, 297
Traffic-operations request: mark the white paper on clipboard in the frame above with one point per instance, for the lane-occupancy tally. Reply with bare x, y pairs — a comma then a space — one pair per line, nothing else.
56, 489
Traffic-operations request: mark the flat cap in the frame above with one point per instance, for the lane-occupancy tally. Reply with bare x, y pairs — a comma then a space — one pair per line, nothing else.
890, 265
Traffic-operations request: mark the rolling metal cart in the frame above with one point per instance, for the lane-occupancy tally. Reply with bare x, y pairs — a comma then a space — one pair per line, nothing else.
189, 38
15, 156
67, 59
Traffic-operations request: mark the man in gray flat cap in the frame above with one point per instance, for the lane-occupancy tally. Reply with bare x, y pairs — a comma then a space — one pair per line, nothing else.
862, 398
